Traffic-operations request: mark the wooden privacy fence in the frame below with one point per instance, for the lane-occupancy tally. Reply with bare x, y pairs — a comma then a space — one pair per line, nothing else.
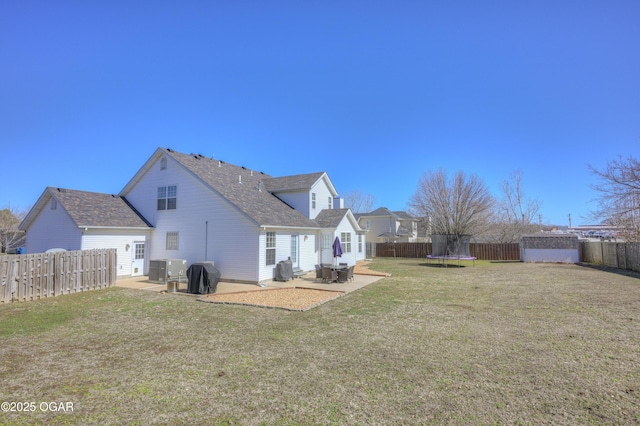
616, 255
35, 276
482, 251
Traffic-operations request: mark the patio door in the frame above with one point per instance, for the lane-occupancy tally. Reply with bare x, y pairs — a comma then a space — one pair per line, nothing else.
326, 248
137, 264
295, 250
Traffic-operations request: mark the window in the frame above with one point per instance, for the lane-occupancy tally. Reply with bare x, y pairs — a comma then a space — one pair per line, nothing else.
167, 197
271, 248
313, 200
345, 239
294, 249
326, 241
54, 204
172, 241
330, 200
139, 251
163, 163
359, 243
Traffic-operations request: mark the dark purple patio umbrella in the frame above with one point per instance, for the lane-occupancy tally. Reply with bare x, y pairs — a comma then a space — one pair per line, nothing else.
337, 248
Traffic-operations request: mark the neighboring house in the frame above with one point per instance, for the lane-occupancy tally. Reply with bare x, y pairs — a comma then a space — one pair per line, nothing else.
384, 226
199, 209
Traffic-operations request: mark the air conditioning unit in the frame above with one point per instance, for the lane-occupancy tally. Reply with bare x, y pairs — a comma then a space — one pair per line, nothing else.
164, 270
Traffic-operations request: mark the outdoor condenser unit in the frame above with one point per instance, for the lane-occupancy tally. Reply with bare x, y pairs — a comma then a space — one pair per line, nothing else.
164, 270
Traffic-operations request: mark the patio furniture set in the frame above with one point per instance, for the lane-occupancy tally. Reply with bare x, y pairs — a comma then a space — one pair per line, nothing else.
340, 273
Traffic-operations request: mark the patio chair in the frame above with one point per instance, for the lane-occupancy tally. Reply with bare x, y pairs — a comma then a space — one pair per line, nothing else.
343, 275
350, 272
329, 275
319, 272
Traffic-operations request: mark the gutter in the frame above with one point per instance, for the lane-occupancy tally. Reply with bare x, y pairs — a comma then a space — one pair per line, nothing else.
147, 228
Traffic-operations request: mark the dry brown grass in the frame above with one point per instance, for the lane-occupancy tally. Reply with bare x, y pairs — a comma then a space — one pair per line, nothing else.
491, 344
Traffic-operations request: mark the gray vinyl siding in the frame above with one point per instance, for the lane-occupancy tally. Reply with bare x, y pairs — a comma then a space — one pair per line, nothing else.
300, 201
204, 221
117, 239
322, 194
53, 229
308, 254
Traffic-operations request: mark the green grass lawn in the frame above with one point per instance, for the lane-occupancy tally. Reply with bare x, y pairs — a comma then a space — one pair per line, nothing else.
498, 343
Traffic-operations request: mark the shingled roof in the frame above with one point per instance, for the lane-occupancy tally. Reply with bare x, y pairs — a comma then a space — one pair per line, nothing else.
380, 211
245, 189
292, 183
330, 218
94, 209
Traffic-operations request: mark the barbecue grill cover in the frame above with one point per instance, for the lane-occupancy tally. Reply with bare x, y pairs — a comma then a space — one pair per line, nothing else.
284, 271
203, 278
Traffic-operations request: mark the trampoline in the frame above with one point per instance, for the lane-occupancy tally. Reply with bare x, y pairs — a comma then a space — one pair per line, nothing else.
445, 247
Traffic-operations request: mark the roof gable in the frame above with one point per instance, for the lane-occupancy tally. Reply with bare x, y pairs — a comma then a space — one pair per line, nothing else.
243, 188
380, 211
90, 209
331, 218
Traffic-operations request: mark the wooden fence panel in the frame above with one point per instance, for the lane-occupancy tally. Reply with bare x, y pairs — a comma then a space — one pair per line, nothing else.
616, 255
483, 251
36, 276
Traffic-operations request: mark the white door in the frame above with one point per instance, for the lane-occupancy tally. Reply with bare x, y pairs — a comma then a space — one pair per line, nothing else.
137, 264
327, 248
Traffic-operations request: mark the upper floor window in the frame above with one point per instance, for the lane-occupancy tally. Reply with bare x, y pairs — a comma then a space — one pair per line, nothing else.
313, 200
163, 163
330, 201
167, 197
54, 204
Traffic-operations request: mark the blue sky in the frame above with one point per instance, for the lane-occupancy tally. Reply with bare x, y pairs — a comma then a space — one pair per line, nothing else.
373, 92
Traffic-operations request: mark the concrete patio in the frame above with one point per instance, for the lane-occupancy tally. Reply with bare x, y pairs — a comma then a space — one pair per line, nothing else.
306, 281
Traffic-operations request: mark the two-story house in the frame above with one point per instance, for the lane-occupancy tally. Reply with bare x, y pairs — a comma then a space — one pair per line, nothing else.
385, 226
187, 206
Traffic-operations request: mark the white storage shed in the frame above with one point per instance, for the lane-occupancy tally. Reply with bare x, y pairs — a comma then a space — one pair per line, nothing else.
553, 248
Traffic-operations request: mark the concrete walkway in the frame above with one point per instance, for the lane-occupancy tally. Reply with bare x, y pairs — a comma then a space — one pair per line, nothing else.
306, 281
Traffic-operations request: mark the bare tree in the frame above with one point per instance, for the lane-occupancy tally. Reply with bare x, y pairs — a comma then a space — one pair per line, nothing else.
460, 205
619, 201
358, 201
515, 212
10, 219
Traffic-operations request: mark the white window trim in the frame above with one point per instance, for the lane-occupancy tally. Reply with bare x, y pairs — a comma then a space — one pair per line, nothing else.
165, 198
172, 241
270, 247
345, 239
